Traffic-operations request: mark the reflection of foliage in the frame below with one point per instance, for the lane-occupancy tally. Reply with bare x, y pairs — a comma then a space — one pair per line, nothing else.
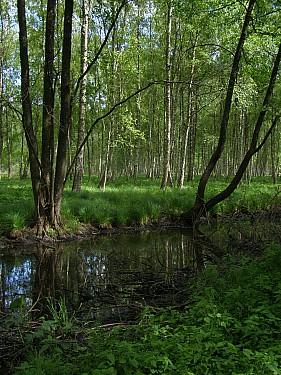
232, 326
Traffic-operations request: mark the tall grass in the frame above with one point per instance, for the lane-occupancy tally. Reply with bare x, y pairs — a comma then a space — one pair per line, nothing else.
127, 202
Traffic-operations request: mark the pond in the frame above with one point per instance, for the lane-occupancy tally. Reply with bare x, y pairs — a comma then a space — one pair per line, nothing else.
108, 278
111, 278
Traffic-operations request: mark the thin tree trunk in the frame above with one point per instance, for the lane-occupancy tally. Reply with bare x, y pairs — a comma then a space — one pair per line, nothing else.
79, 166
189, 118
166, 178
1, 113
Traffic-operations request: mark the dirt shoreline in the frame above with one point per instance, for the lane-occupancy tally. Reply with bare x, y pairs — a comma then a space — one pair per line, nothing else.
28, 237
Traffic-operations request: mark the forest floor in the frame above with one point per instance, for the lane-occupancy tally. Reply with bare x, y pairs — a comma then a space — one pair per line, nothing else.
126, 205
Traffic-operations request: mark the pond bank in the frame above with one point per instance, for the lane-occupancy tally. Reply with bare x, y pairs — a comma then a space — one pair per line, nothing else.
28, 237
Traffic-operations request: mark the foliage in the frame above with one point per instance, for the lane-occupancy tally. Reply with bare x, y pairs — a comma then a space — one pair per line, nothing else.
232, 326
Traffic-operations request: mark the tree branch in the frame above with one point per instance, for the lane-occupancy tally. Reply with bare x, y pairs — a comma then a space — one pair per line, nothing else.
95, 59
106, 114
274, 122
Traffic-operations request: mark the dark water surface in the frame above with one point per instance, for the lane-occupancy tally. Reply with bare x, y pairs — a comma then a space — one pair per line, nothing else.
107, 278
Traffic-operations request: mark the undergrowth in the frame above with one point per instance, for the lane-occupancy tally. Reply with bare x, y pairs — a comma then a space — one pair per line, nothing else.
232, 326
127, 202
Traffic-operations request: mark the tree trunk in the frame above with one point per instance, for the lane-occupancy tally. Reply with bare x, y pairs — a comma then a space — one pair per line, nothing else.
253, 148
190, 117
78, 174
166, 178
1, 113
47, 157
26, 104
199, 205
65, 113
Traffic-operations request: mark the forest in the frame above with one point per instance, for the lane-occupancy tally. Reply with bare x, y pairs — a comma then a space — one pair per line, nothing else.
139, 187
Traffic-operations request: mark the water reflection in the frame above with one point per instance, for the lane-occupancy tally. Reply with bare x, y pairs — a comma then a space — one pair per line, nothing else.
108, 278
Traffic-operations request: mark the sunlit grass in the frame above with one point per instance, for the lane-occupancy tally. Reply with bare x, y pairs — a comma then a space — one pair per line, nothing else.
128, 202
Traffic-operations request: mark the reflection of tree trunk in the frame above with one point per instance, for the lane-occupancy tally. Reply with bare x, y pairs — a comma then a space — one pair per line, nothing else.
47, 279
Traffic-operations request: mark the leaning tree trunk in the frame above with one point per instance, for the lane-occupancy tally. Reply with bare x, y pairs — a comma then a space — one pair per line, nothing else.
199, 206
65, 113
78, 174
253, 148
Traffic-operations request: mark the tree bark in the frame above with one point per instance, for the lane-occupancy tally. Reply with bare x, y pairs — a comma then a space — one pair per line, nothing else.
166, 179
190, 117
199, 207
196, 211
79, 168
65, 112
253, 148
226, 111
47, 156
26, 104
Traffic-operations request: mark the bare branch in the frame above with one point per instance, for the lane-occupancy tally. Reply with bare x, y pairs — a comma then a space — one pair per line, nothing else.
95, 59
274, 122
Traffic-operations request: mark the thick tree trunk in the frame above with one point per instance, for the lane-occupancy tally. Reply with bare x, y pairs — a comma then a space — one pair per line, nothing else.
47, 156
78, 174
65, 113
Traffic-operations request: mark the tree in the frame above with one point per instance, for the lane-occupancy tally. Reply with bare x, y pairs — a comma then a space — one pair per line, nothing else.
78, 173
167, 178
200, 206
49, 175
47, 188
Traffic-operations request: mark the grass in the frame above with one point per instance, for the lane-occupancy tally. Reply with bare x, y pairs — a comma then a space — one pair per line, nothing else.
232, 326
126, 202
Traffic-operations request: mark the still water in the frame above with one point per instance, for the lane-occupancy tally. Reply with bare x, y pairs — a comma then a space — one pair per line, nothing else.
108, 278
